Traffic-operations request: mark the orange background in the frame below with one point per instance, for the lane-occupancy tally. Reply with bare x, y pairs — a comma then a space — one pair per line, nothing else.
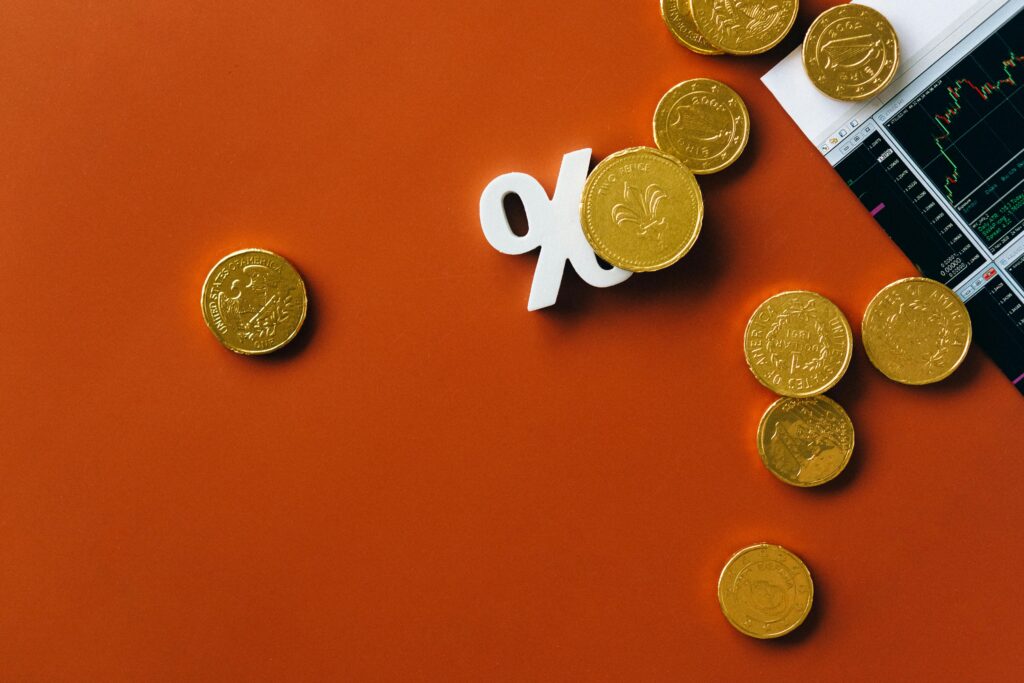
432, 483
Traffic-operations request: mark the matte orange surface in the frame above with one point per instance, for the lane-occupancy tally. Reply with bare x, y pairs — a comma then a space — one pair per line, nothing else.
434, 484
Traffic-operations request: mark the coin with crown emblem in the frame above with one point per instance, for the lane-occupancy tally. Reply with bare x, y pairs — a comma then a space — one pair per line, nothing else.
254, 302
703, 123
765, 591
805, 441
679, 20
798, 344
744, 27
641, 209
851, 52
917, 331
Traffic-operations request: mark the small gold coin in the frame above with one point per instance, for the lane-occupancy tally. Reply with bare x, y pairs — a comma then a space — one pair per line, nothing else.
254, 301
765, 591
851, 52
917, 331
679, 20
798, 344
805, 441
703, 123
641, 210
744, 27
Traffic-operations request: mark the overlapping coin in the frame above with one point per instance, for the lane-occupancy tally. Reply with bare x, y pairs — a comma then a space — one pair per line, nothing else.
917, 331
744, 27
703, 123
254, 301
798, 344
851, 52
641, 209
805, 441
765, 591
679, 20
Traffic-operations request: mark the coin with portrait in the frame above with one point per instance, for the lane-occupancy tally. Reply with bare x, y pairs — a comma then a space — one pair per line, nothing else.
805, 441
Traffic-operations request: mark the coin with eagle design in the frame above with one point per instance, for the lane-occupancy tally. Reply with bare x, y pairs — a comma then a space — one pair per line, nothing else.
744, 27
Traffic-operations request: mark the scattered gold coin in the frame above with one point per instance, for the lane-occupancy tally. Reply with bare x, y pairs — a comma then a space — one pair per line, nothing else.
703, 123
641, 209
798, 344
765, 591
851, 52
917, 331
744, 27
254, 301
679, 20
805, 441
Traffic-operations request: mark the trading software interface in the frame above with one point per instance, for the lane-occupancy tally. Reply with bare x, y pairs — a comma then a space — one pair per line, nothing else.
941, 168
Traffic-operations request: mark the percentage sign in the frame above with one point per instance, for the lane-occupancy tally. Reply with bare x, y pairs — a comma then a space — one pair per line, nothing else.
554, 227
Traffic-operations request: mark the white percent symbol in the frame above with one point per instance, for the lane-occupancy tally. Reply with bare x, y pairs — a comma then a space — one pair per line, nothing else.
554, 226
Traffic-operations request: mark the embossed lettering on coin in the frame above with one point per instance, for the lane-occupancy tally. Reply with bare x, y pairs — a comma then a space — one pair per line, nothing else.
641, 209
679, 20
703, 123
805, 441
851, 52
744, 27
917, 331
765, 591
798, 344
254, 301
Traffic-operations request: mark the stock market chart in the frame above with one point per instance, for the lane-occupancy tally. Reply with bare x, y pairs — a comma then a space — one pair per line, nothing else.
966, 133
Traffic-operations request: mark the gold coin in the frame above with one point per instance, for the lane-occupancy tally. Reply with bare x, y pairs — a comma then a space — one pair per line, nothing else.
703, 123
805, 441
765, 591
917, 331
254, 301
744, 27
798, 344
679, 20
851, 52
641, 209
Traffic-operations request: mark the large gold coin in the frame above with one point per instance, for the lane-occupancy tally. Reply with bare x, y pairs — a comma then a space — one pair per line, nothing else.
679, 20
765, 591
641, 210
805, 441
703, 123
744, 27
254, 301
917, 331
851, 52
798, 344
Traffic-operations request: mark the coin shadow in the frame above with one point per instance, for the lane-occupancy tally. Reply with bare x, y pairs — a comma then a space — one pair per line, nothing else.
306, 333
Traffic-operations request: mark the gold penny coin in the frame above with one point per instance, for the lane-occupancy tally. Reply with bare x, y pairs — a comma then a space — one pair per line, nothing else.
679, 20
703, 123
641, 210
917, 331
805, 441
798, 344
851, 52
744, 27
765, 591
254, 301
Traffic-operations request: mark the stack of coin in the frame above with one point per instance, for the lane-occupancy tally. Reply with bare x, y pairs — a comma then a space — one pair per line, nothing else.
738, 27
851, 52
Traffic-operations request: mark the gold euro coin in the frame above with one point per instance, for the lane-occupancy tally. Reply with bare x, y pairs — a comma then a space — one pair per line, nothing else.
679, 20
798, 344
805, 441
765, 591
744, 27
851, 52
916, 331
254, 301
641, 209
703, 123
